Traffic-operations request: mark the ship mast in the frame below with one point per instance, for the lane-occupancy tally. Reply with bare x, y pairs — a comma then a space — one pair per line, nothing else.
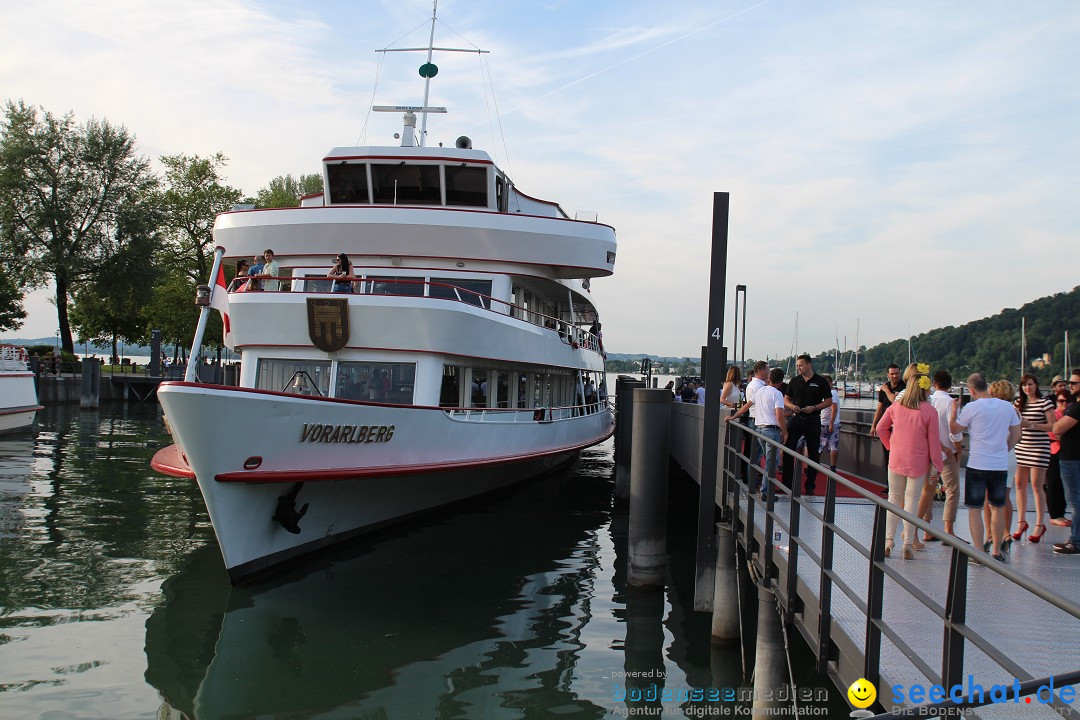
427, 71
427, 75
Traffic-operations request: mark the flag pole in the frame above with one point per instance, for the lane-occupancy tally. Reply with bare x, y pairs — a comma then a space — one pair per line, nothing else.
203, 297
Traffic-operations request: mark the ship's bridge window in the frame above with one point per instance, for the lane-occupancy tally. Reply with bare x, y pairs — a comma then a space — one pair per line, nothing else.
410, 286
299, 377
469, 291
402, 184
348, 183
377, 382
466, 185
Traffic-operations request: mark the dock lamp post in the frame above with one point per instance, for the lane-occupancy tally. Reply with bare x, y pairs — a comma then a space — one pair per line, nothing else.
740, 358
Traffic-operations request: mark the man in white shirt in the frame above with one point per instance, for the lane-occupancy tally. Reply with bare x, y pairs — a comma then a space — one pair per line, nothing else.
950, 450
772, 419
756, 450
699, 390
270, 267
993, 427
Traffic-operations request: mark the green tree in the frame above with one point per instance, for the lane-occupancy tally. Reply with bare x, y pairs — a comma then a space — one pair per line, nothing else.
286, 191
12, 314
195, 192
110, 307
63, 188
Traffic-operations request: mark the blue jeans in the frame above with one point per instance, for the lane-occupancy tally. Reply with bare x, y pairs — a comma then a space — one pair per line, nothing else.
753, 481
1070, 478
771, 451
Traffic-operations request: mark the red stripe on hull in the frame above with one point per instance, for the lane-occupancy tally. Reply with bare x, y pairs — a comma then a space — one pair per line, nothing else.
316, 475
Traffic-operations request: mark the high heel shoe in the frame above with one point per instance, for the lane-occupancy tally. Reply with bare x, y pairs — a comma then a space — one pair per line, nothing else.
909, 552
917, 544
1021, 528
1037, 536
888, 548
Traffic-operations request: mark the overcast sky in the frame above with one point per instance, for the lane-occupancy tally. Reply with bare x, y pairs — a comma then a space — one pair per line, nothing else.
908, 164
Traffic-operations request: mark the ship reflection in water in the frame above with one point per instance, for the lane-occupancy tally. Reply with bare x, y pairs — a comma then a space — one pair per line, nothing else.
504, 609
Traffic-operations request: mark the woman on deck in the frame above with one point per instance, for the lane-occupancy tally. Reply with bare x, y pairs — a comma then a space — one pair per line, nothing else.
1032, 454
731, 395
909, 431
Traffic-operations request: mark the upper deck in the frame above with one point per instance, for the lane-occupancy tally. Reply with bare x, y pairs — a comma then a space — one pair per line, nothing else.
426, 203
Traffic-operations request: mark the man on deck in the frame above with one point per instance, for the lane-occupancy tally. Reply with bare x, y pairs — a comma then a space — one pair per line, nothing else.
756, 449
807, 395
993, 427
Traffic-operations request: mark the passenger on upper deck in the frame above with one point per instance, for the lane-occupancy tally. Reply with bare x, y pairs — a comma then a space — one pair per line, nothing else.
271, 268
239, 282
342, 269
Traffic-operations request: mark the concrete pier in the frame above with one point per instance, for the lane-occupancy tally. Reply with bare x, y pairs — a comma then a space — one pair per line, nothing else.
648, 488
725, 613
91, 384
770, 663
624, 418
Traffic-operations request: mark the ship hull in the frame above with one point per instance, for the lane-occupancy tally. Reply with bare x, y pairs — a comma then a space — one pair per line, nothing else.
284, 475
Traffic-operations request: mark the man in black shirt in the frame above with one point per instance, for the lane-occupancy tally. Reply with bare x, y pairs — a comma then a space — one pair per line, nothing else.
807, 395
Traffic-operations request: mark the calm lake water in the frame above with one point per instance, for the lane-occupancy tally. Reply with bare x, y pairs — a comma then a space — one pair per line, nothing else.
114, 602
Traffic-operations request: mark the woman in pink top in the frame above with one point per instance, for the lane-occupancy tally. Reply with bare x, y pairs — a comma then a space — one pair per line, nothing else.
909, 431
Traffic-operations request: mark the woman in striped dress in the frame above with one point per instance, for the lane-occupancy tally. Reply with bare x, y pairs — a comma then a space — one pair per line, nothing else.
1032, 454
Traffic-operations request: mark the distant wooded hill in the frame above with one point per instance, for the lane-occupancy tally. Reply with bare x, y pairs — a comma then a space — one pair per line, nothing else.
990, 345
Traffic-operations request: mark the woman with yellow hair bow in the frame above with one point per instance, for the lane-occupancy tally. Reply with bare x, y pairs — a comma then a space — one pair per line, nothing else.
909, 431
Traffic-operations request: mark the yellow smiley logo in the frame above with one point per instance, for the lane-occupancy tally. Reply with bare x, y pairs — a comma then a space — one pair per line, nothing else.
862, 693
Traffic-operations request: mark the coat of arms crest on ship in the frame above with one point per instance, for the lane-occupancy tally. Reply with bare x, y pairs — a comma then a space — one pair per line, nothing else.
328, 323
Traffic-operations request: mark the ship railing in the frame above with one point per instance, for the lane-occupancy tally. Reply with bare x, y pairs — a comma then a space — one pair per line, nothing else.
13, 358
525, 415
569, 333
779, 565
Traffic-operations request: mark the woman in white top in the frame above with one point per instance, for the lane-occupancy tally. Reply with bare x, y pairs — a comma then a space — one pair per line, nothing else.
731, 395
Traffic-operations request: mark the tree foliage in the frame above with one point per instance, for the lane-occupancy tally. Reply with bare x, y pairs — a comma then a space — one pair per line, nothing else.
63, 189
110, 307
195, 192
12, 314
286, 191
990, 345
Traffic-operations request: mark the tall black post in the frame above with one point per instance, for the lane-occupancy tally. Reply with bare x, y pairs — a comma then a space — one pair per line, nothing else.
713, 369
154, 370
742, 352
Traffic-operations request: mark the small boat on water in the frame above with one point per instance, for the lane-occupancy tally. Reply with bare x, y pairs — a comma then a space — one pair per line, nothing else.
18, 396
459, 353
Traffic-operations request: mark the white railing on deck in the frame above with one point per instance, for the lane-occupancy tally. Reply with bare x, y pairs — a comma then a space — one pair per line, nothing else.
13, 358
568, 332
522, 415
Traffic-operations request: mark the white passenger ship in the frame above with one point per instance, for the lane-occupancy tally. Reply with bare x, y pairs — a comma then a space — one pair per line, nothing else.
467, 356
18, 397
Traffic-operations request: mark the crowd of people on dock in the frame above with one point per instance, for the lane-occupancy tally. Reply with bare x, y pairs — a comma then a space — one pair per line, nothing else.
1022, 439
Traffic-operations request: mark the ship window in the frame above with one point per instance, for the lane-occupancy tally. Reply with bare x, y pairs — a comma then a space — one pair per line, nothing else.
450, 391
403, 184
479, 387
348, 183
466, 185
377, 382
299, 377
317, 283
469, 291
411, 286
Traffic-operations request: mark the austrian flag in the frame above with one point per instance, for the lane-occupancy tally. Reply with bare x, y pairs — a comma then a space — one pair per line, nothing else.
219, 300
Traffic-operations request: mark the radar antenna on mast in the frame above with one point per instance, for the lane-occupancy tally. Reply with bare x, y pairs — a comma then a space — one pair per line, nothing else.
427, 71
